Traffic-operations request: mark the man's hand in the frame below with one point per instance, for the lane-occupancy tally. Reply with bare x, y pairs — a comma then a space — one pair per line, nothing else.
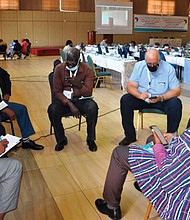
74, 109
11, 114
3, 145
144, 96
156, 139
6, 97
155, 100
168, 136
75, 82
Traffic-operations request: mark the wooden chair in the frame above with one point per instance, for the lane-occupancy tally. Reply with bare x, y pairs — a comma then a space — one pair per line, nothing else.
140, 116
100, 76
148, 211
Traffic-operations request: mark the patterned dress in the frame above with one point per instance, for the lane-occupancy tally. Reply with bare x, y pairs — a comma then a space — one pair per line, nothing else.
167, 188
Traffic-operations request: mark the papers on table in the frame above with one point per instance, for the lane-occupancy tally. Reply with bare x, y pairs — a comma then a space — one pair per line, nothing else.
13, 141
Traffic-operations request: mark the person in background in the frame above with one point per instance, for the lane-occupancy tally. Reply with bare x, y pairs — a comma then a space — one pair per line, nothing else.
16, 111
133, 48
3, 48
153, 84
73, 85
11, 51
103, 42
68, 46
10, 176
17, 49
163, 177
26, 46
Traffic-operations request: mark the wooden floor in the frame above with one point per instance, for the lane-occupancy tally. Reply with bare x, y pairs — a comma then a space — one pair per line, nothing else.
64, 185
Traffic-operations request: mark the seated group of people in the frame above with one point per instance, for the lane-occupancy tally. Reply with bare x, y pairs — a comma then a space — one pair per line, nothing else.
153, 84
15, 48
11, 169
163, 176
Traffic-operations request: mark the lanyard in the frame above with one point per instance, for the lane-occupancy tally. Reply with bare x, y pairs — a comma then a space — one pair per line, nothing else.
73, 75
149, 79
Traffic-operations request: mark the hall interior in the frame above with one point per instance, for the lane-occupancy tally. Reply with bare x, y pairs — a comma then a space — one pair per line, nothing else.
64, 185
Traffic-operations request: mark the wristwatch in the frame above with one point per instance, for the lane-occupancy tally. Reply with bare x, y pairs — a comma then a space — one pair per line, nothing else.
162, 98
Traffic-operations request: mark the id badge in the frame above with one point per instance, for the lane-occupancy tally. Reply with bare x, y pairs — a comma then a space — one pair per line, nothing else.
68, 94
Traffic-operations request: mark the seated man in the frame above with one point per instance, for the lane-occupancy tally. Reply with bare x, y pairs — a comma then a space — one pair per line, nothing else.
163, 177
153, 84
72, 81
68, 46
3, 48
17, 49
16, 111
10, 175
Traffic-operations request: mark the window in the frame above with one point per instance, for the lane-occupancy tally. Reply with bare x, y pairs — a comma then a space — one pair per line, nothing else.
49, 5
7, 4
161, 7
71, 5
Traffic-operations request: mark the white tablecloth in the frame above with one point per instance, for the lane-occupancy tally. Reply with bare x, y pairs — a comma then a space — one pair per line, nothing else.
123, 66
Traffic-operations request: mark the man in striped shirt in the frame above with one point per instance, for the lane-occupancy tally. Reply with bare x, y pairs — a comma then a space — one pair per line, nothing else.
163, 176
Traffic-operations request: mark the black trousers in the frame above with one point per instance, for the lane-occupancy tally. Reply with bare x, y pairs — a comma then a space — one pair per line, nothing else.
57, 110
128, 103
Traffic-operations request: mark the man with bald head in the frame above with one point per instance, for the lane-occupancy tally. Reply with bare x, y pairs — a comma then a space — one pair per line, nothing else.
73, 85
153, 84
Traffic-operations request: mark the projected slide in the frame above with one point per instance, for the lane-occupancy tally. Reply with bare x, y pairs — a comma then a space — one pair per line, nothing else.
114, 17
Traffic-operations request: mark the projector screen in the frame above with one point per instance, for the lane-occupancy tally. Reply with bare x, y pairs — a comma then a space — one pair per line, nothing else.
113, 17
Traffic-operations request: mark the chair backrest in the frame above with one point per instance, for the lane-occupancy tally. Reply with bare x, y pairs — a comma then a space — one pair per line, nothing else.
50, 78
91, 64
63, 55
162, 56
28, 49
125, 50
106, 48
119, 51
83, 57
142, 55
99, 49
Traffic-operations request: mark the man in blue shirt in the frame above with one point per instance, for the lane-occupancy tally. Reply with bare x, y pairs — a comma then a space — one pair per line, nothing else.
153, 84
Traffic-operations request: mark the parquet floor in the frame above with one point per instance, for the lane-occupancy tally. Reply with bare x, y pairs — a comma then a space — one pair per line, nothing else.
64, 185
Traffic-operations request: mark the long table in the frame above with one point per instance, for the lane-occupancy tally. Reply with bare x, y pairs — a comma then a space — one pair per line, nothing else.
184, 64
123, 66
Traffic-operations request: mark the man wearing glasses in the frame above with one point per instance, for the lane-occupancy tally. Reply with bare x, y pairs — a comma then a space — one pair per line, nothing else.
153, 84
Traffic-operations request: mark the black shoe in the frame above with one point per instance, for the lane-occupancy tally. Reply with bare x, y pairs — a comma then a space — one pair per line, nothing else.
136, 185
126, 141
92, 146
114, 214
32, 145
61, 145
